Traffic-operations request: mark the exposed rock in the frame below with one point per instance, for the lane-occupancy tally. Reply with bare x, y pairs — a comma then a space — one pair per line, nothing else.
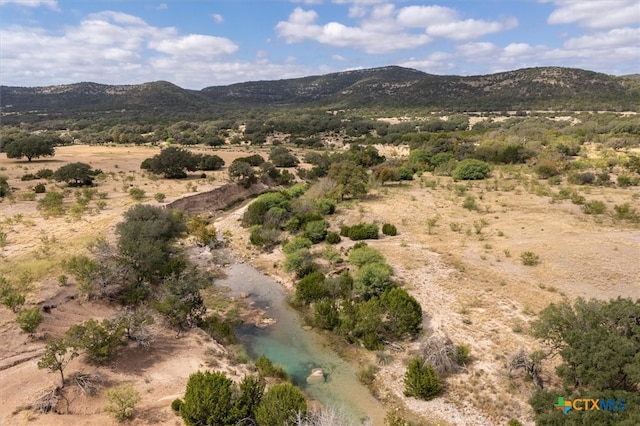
316, 376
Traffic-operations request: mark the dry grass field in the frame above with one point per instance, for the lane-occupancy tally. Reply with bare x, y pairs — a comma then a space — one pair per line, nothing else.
463, 265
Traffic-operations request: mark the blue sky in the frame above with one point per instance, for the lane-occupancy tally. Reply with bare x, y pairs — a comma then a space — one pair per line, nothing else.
196, 44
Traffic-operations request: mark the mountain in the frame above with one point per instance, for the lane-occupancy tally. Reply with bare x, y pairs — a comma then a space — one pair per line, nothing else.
387, 87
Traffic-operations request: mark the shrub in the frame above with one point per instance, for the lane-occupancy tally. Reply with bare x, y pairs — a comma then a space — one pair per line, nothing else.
374, 278
159, 197
176, 404
52, 204
626, 180
389, 229
326, 206
470, 203
29, 319
362, 255
471, 169
581, 178
403, 314
137, 194
594, 207
626, 212
529, 258
207, 399
420, 380
122, 399
40, 188
311, 288
316, 230
326, 314
296, 244
267, 368
44, 174
300, 262
361, 231
333, 238
264, 237
280, 405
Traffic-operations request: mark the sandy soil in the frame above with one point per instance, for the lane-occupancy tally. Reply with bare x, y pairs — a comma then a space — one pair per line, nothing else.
470, 282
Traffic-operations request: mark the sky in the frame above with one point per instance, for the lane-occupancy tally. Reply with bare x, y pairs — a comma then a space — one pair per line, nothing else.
201, 43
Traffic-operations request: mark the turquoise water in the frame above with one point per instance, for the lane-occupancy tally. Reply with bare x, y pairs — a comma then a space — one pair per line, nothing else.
297, 350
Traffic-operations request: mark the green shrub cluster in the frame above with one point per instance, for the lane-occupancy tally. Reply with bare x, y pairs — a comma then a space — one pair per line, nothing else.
361, 231
389, 229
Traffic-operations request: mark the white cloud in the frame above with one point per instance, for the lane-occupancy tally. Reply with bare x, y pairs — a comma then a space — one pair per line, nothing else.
51, 4
469, 28
424, 16
384, 29
595, 14
219, 19
195, 45
378, 34
110, 47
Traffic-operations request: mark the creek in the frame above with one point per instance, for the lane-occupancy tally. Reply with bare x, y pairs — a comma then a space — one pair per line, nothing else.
297, 350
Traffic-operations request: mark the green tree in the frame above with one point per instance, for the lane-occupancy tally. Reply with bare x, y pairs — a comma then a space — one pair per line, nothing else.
58, 353
208, 399
282, 157
599, 342
181, 303
250, 393
172, 162
242, 173
403, 313
75, 174
326, 315
280, 405
145, 240
311, 288
351, 179
30, 146
420, 380
360, 256
99, 340
122, 399
29, 319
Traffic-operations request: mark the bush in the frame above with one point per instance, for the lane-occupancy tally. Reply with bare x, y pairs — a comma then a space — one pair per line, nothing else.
122, 399
326, 206
374, 278
333, 238
420, 380
29, 319
300, 262
52, 204
159, 197
594, 207
267, 368
207, 399
176, 404
40, 188
362, 255
296, 244
581, 178
326, 314
389, 229
280, 405
471, 169
529, 258
137, 194
361, 231
316, 230
626, 212
470, 203
311, 288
